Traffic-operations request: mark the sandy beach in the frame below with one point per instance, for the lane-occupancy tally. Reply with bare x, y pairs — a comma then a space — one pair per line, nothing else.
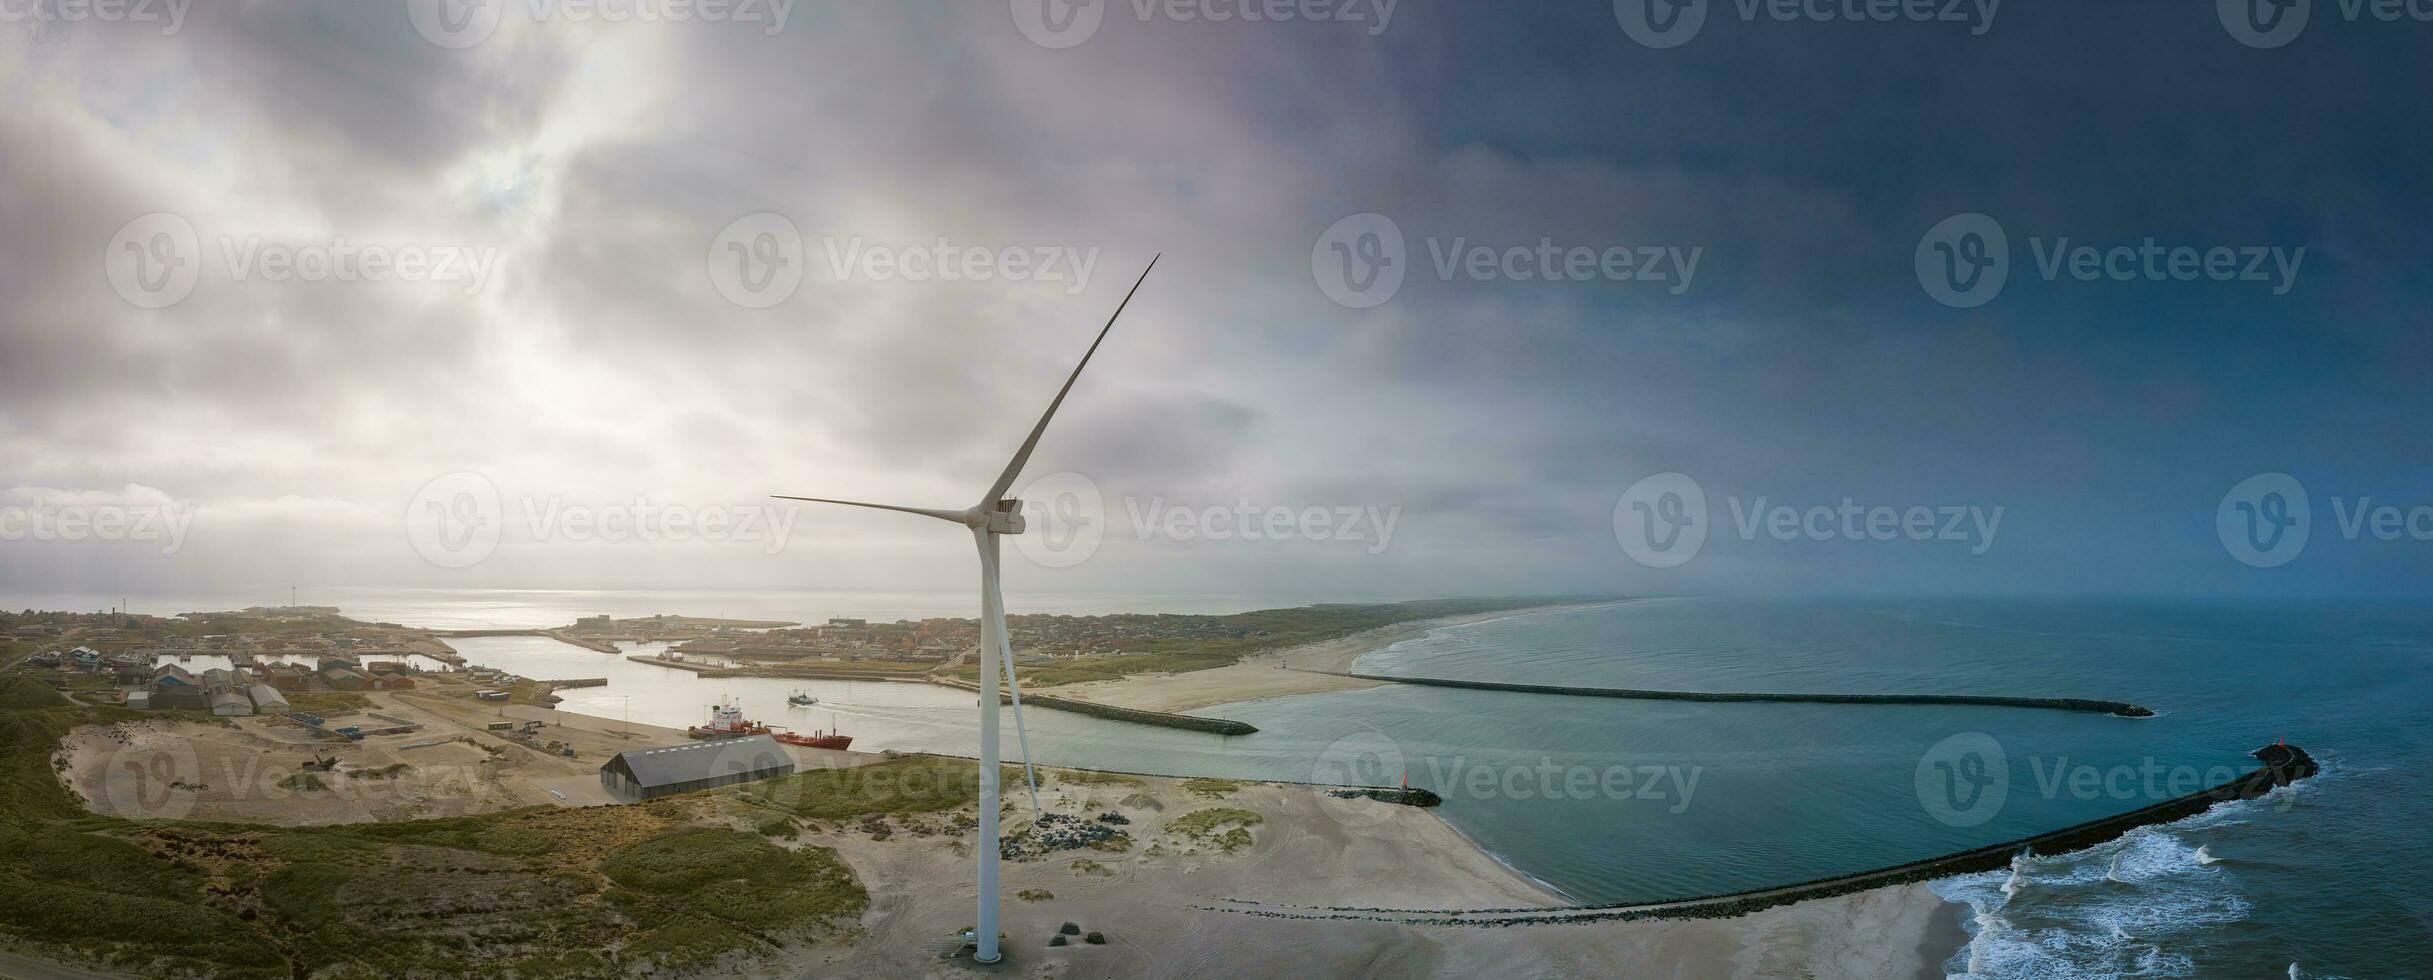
1262, 676
1162, 905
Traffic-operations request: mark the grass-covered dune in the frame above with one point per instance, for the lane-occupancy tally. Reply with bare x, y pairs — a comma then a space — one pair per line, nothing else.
544, 891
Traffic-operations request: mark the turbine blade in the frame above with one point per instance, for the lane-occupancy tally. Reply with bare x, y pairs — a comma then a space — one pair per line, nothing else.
1013, 470
1022, 735
954, 516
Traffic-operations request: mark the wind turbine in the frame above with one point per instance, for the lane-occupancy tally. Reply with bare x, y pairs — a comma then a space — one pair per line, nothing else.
992, 518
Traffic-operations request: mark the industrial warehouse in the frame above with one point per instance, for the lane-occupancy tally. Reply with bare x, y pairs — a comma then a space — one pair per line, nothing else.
644, 774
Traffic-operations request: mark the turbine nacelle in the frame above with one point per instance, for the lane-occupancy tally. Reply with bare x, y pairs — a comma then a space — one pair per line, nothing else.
1005, 518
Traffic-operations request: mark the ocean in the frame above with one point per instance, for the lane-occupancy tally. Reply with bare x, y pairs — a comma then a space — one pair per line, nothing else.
1613, 801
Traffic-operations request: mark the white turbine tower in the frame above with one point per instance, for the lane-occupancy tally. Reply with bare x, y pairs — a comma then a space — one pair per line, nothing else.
994, 516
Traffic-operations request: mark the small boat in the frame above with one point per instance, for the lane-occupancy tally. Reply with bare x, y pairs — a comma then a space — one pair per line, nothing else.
830, 739
801, 699
727, 721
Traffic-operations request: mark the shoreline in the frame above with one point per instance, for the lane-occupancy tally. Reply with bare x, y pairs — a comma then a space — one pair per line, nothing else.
1259, 677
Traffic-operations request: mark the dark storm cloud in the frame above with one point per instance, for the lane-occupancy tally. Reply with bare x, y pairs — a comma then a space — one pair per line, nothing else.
1802, 364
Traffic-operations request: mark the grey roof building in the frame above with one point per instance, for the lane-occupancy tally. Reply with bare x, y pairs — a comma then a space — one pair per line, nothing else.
643, 774
229, 701
266, 699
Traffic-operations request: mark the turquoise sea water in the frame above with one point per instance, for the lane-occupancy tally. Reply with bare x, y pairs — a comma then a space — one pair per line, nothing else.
2329, 876
1616, 801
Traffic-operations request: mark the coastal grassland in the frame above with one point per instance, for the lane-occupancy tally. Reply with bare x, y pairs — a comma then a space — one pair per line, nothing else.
326, 703
912, 784
1223, 828
1216, 641
543, 891
1091, 777
1207, 788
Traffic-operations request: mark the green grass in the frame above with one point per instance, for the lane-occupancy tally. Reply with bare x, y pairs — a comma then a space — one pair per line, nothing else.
1211, 789
739, 878
327, 703
1085, 777
902, 786
1224, 828
603, 891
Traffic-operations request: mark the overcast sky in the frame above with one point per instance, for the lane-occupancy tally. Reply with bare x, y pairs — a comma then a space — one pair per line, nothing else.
326, 293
